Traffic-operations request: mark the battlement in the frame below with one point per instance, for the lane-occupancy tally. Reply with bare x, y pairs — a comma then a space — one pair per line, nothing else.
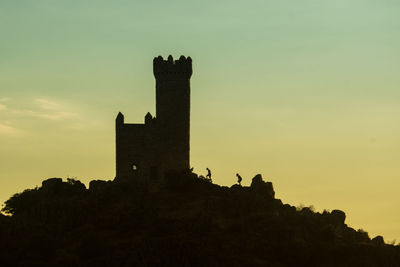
172, 69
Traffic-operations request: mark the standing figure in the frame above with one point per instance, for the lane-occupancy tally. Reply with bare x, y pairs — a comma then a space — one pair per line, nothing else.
239, 178
208, 176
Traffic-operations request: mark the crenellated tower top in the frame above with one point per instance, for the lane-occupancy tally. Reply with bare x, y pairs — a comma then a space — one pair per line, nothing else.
172, 69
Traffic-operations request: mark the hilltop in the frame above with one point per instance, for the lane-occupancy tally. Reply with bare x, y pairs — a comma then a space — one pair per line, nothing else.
189, 221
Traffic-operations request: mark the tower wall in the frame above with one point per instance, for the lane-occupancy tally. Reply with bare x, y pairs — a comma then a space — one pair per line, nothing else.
137, 149
173, 108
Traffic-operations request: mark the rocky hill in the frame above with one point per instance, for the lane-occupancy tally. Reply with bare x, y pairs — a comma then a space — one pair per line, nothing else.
187, 222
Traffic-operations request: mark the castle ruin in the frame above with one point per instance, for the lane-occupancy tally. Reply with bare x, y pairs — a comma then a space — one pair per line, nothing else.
162, 143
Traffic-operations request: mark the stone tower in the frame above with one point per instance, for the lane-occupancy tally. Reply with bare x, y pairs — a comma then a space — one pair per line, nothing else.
162, 143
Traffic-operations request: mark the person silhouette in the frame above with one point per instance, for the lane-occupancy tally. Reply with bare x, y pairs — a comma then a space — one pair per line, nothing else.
239, 178
208, 176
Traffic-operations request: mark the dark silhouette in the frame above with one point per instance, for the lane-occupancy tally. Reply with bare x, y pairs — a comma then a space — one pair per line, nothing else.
188, 222
208, 176
161, 144
259, 186
239, 178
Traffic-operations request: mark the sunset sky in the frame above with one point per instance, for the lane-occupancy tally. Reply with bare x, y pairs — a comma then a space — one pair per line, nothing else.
304, 92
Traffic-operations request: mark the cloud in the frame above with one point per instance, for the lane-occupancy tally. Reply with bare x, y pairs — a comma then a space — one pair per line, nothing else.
51, 115
6, 129
3, 99
47, 104
58, 115
35, 110
51, 110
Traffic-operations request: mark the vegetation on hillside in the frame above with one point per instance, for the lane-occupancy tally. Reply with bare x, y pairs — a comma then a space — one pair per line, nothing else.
187, 222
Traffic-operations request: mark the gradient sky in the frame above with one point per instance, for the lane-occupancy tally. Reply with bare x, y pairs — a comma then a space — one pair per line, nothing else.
304, 92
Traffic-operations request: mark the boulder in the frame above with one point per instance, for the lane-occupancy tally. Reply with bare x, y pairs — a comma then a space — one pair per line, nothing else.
97, 185
338, 217
52, 184
378, 240
258, 185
